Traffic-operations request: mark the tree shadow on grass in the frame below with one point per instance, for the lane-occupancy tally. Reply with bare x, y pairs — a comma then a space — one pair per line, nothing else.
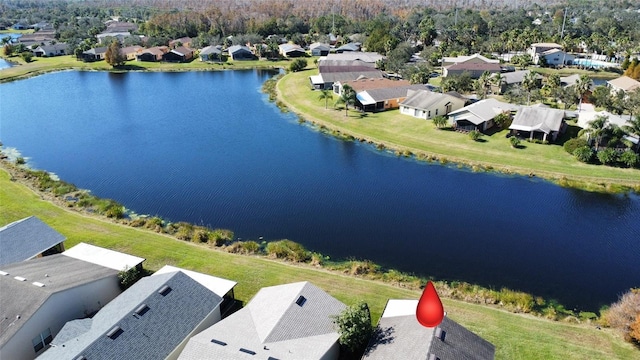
481, 140
129, 67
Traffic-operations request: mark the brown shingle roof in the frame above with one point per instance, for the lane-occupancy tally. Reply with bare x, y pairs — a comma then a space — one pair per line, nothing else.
379, 83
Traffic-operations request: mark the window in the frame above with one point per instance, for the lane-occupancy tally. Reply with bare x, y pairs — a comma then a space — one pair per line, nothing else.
436, 112
429, 114
42, 340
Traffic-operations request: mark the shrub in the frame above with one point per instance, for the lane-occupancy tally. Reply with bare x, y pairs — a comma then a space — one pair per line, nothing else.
607, 156
20, 161
200, 235
474, 135
571, 145
220, 237
629, 158
27, 56
298, 64
354, 327
503, 120
111, 208
623, 314
244, 247
515, 142
184, 231
583, 154
287, 250
129, 277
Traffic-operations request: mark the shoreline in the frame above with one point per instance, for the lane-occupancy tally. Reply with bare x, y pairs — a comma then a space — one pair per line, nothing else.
601, 185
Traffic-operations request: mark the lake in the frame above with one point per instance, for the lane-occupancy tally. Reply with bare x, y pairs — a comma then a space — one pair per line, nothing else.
208, 148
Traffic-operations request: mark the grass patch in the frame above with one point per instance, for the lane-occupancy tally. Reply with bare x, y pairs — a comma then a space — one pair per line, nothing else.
400, 132
516, 336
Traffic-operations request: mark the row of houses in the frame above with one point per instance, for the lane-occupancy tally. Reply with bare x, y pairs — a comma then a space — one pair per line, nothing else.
67, 304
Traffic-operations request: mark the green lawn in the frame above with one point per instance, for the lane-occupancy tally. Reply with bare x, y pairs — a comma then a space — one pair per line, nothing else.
421, 137
48, 64
515, 336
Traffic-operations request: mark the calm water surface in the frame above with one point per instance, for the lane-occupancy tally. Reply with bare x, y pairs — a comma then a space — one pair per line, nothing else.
208, 148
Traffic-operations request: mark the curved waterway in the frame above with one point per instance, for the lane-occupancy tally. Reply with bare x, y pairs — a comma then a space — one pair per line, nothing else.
208, 148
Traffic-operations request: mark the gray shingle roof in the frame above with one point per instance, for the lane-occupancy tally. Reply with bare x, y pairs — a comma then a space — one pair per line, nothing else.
210, 50
481, 111
153, 334
57, 272
273, 325
333, 77
238, 48
393, 93
538, 119
23, 239
400, 336
424, 99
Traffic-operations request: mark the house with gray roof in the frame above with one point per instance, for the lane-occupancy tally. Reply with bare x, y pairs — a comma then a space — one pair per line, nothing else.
28, 238
384, 98
327, 80
425, 104
479, 116
211, 53
240, 52
509, 79
57, 49
475, 70
538, 122
153, 319
399, 335
353, 46
319, 49
291, 50
39, 296
369, 57
470, 59
292, 321
624, 83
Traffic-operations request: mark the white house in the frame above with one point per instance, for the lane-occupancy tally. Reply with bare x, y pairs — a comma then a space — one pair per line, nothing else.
554, 57
540, 120
425, 104
624, 83
399, 335
292, 321
480, 115
39, 296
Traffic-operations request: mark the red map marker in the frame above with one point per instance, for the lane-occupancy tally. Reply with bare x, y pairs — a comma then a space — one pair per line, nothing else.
429, 311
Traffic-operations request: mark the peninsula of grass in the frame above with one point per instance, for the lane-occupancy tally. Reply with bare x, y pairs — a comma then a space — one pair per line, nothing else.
41, 65
516, 336
408, 135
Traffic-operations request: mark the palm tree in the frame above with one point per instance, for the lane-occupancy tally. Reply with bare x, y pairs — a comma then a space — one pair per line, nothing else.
529, 83
582, 86
497, 79
596, 130
482, 83
633, 128
553, 84
325, 94
347, 98
440, 121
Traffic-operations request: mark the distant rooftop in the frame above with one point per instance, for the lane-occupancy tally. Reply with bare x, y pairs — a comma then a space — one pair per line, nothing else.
104, 257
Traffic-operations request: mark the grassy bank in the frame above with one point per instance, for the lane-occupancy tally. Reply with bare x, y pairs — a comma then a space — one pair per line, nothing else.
48, 64
409, 135
515, 336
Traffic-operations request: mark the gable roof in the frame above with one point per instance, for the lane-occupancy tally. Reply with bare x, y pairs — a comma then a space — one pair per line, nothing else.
330, 65
285, 48
150, 319
549, 45
218, 286
182, 51
95, 51
210, 50
400, 336
625, 83
321, 46
52, 47
481, 111
238, 48
425, 99
569, 80
465, 58
382, 94
368, 57
333, 77
541, 119
21, 299
104, 257
24, 239
374, 83
349, 47
291, 321
474, 66
516, 77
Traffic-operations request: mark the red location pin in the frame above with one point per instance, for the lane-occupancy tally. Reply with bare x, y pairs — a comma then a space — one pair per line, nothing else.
429, 311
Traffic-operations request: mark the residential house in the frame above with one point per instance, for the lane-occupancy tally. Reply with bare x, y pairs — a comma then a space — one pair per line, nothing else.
538, 122
57, 49
19, 26
585, 117
211, 53
468, 59
327, 66
292, 321
291, 50
566, 81
425, 104
42, 37
624, 83
94, 54
183, 41
367, 57
155, 53
153, 319
554, 57
28, 238
539, 48
39, 296
114, 26
319, 49
353, 46
510, 79
106, 37
364, 84
104, 257
384, 98
327, 80
179, 54
130, 52
399, 335
240, 52
479, 116
475, 70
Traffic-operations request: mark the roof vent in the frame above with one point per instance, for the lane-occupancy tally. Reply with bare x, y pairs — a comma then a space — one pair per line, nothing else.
440, 334
164, 290
81, 357
301, 300
114, 332
433, 357
272, 358
142, 309
221, 343
3, 273
20, 278
38, 284
247, 351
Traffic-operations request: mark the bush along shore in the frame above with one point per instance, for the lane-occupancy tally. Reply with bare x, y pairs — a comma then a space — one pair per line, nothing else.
67, 195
